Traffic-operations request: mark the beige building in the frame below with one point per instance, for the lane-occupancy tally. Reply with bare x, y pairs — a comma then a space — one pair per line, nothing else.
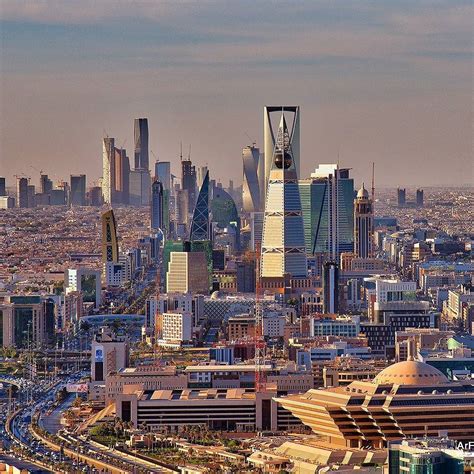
187, 273
407, 399
174, 327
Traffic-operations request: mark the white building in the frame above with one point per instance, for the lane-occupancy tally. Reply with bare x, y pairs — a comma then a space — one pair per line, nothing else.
114, 273
86, 281
175, 327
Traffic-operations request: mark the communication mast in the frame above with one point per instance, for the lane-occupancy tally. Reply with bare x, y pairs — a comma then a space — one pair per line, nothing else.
260, 376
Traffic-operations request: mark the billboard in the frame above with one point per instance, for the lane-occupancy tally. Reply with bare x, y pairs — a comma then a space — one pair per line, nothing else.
99, 354
77, 388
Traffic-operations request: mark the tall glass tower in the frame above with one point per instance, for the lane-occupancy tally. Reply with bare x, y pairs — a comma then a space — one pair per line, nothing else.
250, 186
283, 245
156, 208
200, 222
141, 144
327, 202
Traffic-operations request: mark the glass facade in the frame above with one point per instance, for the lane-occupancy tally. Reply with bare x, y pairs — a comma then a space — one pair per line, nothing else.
315, 206
23, 322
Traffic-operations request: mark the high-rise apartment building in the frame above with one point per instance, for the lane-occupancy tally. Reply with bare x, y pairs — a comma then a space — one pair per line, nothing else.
109, 238
327, 202
156, 208
108, 169
78, 190
200, 222
283, 246
141, 144
270, 138
363, 224
252, 168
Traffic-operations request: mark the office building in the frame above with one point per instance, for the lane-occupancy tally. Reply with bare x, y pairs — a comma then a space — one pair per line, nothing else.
141, 144
115, 274
109, 353
330, 287
163, 174
283, 245
407, 399
188, 181
87, 281
22, 192
78, 190
252, 168
187, 273
200, 223
419, 197
46, 184
327, 201
108, 169
174, 328
363, 225
26, 321
156, 208
401, 197
109, 238
271, 115
95, 196
256, 230
3, 188
121, 192
139, 187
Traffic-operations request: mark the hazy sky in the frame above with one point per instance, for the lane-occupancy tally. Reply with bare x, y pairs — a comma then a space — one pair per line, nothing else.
383, 81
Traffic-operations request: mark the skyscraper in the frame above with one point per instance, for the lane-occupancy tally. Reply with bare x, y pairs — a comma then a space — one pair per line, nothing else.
156, 208
363, 224
250, 185
22, 192
3, 188
141, 144
200, 222
419, 197
201, 172
327, 201
140, 187
109, 238
121, 192
163, 174
188, 181
270, 112
46, 185
283, 246
330, 287
401, 197
108, 169
78, 190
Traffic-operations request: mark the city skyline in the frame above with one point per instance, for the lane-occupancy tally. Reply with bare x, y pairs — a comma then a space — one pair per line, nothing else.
384, 83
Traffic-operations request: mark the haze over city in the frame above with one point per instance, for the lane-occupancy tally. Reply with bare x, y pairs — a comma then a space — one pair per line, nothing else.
236, 237
388, 82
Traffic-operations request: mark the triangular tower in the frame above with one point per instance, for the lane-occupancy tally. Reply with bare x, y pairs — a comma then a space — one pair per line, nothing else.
283, 244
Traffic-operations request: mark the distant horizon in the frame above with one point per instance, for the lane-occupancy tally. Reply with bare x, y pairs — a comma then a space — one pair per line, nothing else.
388, 82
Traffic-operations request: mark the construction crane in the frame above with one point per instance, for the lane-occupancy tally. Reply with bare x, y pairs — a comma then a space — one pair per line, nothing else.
260, 346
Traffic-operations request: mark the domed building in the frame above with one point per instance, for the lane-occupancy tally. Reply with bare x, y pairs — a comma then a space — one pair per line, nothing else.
405, 400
